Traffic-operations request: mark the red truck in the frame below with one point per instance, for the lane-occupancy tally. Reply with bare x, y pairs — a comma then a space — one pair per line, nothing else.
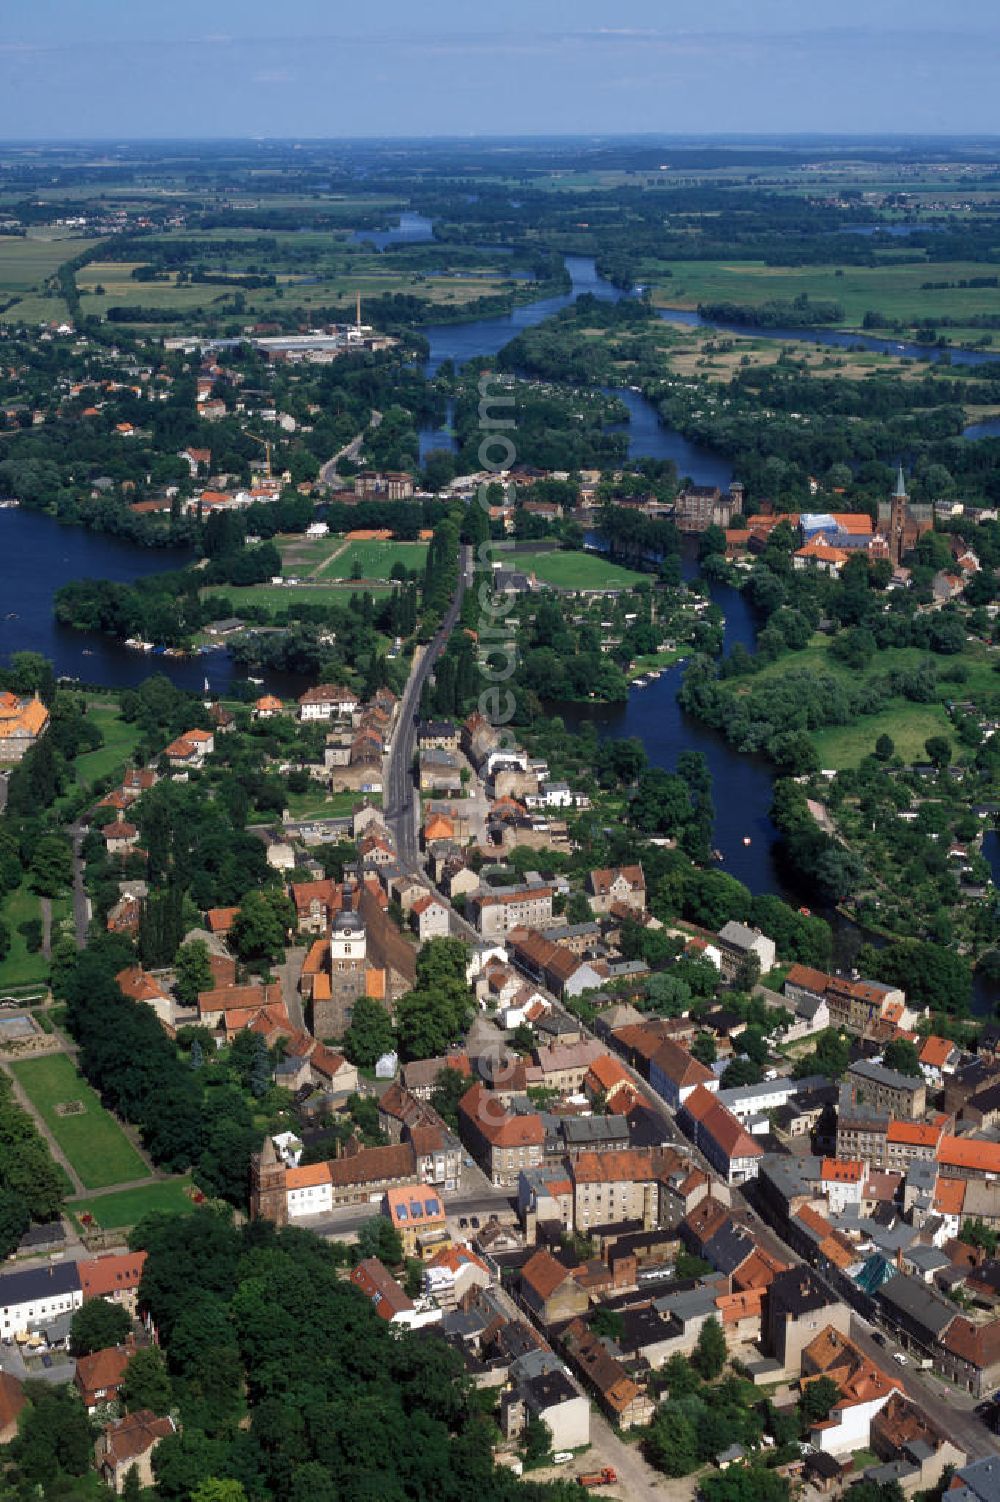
606, 1476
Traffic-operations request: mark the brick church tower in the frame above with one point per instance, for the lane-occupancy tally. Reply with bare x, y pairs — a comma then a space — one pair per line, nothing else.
897, 521
268, 1200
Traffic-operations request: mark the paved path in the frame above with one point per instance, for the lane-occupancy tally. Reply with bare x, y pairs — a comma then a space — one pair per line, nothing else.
151, 1178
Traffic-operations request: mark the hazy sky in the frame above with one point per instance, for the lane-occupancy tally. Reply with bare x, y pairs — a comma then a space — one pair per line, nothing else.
130, 68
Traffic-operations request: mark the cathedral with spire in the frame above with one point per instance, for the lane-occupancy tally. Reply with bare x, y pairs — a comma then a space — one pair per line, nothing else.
903, 522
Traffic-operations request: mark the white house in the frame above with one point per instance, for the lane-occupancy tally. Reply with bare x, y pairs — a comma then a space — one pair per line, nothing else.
552, 795
309, 1190
30, 1299
841, 1180
327, 700
430, 917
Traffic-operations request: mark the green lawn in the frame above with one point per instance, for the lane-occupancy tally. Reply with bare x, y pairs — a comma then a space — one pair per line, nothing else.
322, 805
575, 570
93, 1141
376, 559
21, 968
112, 1212
909, 725
120, 741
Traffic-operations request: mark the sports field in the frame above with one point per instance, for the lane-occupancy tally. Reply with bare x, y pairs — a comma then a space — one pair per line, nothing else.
375, 559
92, 1140
279, 599
575, 570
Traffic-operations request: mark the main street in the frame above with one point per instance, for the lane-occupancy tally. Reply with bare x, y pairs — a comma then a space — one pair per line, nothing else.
400, 802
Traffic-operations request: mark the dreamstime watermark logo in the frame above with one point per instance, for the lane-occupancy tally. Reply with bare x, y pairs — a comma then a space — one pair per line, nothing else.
497, 644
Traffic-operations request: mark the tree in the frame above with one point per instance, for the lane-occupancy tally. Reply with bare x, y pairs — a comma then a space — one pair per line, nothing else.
146, 1383
192, 972
449, 1087
741, 1072
132, 1486
51, 865
703, 1048
673, 1443
830, 1057
442, 960
744, 1484
54, 1438
902, 1056
428, 1021
711, 1351
258, 931
96, 1325
379, 1238
214, 1490
260, 1070
609, 1323
679, 1376
885, 748
578, 909
370, 1033
14, 1221
938, 748
536, 1440
817, 1400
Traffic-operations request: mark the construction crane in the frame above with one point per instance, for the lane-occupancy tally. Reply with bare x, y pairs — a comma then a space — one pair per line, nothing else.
266, 445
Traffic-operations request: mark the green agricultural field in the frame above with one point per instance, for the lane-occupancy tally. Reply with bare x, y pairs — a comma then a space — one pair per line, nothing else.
375, 559
26, 264
92, 1140
893, 290
21, 968
576, 570
114, 1212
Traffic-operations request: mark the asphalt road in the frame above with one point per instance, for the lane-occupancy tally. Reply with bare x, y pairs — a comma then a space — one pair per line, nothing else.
951, 1410
81, 902
400, 794
351, 450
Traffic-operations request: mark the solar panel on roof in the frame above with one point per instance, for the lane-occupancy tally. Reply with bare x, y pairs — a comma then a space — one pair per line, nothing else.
431, 1207
401, 1211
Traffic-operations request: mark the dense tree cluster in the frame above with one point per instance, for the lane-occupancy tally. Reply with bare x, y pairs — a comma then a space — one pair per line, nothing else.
286, 1380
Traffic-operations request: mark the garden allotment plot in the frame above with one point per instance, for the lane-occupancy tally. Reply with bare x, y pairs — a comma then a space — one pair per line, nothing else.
91, 1139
